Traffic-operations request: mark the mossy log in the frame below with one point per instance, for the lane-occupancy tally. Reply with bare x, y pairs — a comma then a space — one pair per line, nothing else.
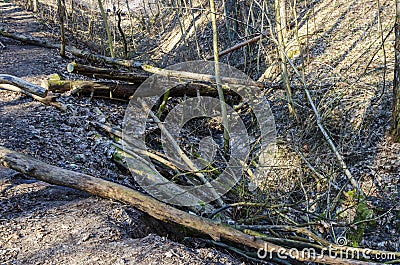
93, 88
97, 72
124, 90
154, 208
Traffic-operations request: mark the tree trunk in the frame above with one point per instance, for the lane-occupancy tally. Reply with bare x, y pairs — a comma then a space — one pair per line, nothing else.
61, 14
218, 76
35, 6
154, 208
105, 73
396, 83
281, 31
95, 89
125, 91
105, 21
182, 75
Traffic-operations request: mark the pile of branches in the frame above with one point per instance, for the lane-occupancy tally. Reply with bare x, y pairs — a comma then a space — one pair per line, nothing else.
245, 227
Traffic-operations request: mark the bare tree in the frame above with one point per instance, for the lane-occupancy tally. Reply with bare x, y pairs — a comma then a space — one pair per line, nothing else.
281, 31
35, 6
61, 14
396, 85
218, 76
105, 20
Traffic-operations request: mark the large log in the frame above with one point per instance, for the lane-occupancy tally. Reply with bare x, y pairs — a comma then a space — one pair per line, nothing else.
125, 91
154, 208
94, 88
22, 85
226, 81
75, 51
105, 73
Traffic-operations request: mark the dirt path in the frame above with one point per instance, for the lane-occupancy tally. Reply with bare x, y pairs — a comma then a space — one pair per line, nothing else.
46, 224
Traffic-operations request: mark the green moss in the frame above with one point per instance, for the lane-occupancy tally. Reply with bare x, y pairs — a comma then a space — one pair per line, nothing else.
118, 156
363, 213
295, 51
54, 77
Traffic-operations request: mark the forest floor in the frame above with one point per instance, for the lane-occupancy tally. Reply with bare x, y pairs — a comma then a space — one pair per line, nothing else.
46, 224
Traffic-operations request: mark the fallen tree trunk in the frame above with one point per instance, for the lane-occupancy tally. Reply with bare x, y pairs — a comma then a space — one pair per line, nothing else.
154, 208
126, 63
22, 86
105, 73
188, 89
125, 91
75, 51
95, 89
199, 77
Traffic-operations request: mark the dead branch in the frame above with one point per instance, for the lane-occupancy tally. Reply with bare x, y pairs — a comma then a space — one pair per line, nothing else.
48, 100
162, 158
22, 85
181, 153
239, 45
154, 208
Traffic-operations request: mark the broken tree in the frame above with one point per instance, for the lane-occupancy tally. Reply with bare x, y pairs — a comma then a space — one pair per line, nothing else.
154, 208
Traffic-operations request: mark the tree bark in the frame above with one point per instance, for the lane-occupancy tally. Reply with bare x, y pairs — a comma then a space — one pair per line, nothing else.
105, 73
125, 91
281, 31
35, 6
106, 26
61, 14
96, 89
154, 208
396, 83
200, 77
23, 85
221, 96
